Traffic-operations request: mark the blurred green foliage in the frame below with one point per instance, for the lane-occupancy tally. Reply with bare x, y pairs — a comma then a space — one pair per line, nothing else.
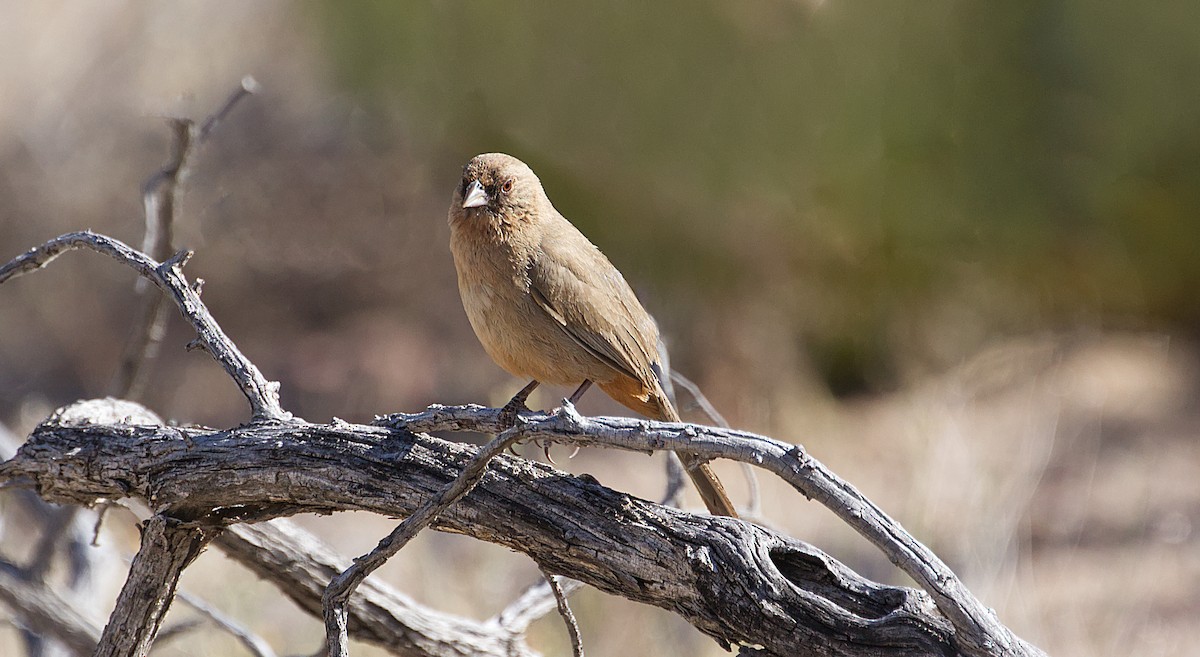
890, 176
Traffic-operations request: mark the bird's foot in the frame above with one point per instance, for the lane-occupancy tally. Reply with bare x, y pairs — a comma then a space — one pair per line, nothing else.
567, 408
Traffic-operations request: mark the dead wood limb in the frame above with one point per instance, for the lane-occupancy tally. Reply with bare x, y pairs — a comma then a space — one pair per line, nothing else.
168, 276
979, 630
737, 582
337, 595
168, 546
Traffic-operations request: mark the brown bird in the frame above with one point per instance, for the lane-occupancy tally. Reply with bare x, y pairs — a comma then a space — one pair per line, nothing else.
549, 306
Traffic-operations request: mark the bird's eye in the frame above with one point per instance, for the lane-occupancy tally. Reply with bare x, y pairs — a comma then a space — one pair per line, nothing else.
507, 186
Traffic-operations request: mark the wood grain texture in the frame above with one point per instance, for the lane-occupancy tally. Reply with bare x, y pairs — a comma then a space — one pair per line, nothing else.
735, 581
167, 548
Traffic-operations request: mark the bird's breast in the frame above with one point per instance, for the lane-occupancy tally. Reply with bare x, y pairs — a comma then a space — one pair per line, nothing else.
495, 295
494, 282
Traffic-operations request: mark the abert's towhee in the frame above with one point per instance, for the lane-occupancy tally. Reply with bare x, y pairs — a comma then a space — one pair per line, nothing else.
549, 306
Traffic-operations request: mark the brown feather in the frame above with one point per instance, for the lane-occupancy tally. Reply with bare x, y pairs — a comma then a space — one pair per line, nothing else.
547, 305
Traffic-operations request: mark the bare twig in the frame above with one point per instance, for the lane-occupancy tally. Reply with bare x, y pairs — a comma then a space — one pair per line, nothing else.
168, 276
101, 512
254, 643
248, 86
342, 586
301, 566
160, 192
160, 200
535, 602
177, 630
673, 495
167, 548
564, 610
699, 398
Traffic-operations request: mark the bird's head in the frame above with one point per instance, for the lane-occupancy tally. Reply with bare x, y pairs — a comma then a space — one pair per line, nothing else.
497, 188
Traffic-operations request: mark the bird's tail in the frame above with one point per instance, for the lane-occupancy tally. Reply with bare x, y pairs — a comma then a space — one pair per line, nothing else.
706, 482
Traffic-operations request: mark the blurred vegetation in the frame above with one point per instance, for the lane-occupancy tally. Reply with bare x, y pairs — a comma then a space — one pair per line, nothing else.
967, 202
885, 176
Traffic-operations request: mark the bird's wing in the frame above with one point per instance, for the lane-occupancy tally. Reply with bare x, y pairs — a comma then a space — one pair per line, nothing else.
584, 293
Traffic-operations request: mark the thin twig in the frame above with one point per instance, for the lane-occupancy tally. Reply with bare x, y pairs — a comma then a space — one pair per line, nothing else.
177, 630
168, 276
700, 400
300, 565
101, 512
248, 86
254, 643
160, 202
673, 496
564, 610
533, 603
342, 587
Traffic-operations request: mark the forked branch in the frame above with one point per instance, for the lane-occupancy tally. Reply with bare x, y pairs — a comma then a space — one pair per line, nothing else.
977, 625
168, 276
737, 582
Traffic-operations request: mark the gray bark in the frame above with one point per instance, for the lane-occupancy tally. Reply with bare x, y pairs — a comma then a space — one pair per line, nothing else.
301, 566
168, 546
737, 582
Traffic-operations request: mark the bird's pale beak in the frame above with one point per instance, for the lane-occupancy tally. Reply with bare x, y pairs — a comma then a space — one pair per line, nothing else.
475, 197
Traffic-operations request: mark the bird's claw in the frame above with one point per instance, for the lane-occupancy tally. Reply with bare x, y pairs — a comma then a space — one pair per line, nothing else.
546, 445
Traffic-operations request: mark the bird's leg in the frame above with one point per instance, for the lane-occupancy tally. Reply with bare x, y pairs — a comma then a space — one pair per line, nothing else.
583, 387
508, 414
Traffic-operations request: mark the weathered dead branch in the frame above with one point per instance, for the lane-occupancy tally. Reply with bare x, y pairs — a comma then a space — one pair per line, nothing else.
736, 581
739, 583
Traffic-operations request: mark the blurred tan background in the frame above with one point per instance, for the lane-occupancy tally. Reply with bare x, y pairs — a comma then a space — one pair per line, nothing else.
952, 248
